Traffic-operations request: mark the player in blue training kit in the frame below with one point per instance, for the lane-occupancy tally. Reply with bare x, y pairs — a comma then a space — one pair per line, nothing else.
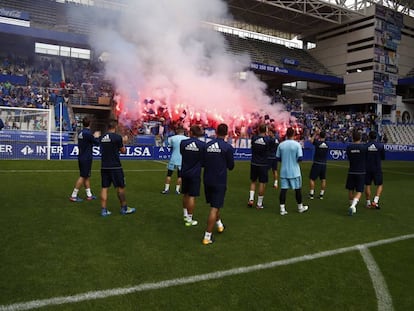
192, 151
219, 157
318, 169
175, 160
375, 155
274, 143
357, 157
86, 141
290, 154
112, 144
259, 165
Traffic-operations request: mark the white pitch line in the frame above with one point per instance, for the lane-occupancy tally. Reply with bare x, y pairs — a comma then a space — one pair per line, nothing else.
71, 171
34, 304
380, 286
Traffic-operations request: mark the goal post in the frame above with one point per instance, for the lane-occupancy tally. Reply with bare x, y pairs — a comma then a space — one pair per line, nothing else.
27, 133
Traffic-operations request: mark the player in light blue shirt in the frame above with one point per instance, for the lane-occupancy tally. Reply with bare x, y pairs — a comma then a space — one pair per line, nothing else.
289, 152
175, 160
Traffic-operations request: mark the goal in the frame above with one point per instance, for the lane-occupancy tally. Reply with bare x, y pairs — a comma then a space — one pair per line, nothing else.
26, 133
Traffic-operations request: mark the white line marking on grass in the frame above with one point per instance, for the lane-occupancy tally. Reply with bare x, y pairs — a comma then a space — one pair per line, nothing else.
380, 286
191, 279
161, 162
71, 171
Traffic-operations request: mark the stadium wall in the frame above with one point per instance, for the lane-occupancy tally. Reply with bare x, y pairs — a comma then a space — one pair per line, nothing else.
371, 53
405, 49
14, 145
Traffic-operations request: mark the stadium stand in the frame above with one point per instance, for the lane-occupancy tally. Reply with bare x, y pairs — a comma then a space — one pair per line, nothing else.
399, 133
42, 14
273, 54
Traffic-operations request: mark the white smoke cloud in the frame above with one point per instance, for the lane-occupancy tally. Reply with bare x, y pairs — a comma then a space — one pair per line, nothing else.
159, 49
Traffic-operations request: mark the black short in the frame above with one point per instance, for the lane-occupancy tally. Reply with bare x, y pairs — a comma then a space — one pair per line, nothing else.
317, 171
113, 176
215, 195
375, 177
259, 173
273, 164
355, 182
191, 186
170, 173
85, 167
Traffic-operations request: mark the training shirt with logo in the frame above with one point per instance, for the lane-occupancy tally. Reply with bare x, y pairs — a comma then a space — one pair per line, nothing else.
110, 144
260, 146
192, 152
375, 154
85, 143
219, 157
357, 156
321, 151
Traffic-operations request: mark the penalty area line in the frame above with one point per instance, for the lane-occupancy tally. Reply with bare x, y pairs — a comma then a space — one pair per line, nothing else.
92, 295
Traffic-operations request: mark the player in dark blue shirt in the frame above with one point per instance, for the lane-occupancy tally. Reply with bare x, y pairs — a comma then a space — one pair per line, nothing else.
274, 143
86, 141
192, 152
357, 157
375, 155
112, 144
219, 157
318, 169
259, 165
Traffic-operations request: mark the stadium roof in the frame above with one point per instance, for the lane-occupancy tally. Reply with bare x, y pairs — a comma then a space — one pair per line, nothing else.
302, 18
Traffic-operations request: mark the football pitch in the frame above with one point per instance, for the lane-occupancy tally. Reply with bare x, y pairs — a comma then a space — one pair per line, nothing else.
60, 255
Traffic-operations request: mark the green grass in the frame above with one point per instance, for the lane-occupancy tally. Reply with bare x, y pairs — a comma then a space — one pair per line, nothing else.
50, 247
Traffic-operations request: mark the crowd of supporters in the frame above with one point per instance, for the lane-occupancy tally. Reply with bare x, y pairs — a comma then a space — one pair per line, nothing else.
42, 88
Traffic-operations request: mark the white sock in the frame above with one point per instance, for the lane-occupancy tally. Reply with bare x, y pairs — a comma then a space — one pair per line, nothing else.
260, 200
300, 206
75, 193
275, 183
311, 192
177, 188
368, 202
185, 212
88, 192
282, 207
251, 195
322, 192
189, 217
219, 223
167, 187
354, 202
207, 235
376, 199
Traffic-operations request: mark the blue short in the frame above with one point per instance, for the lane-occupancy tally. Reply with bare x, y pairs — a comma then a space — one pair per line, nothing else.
85, 167
191, 186
215, 195
113, 176
172, 167
355, 182
317, 171
291, 183
259, 173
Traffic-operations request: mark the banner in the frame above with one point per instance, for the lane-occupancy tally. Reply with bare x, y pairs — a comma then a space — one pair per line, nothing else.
32, 150
31, 136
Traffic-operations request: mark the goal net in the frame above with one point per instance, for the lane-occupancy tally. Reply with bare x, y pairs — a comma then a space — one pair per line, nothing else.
26, 133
